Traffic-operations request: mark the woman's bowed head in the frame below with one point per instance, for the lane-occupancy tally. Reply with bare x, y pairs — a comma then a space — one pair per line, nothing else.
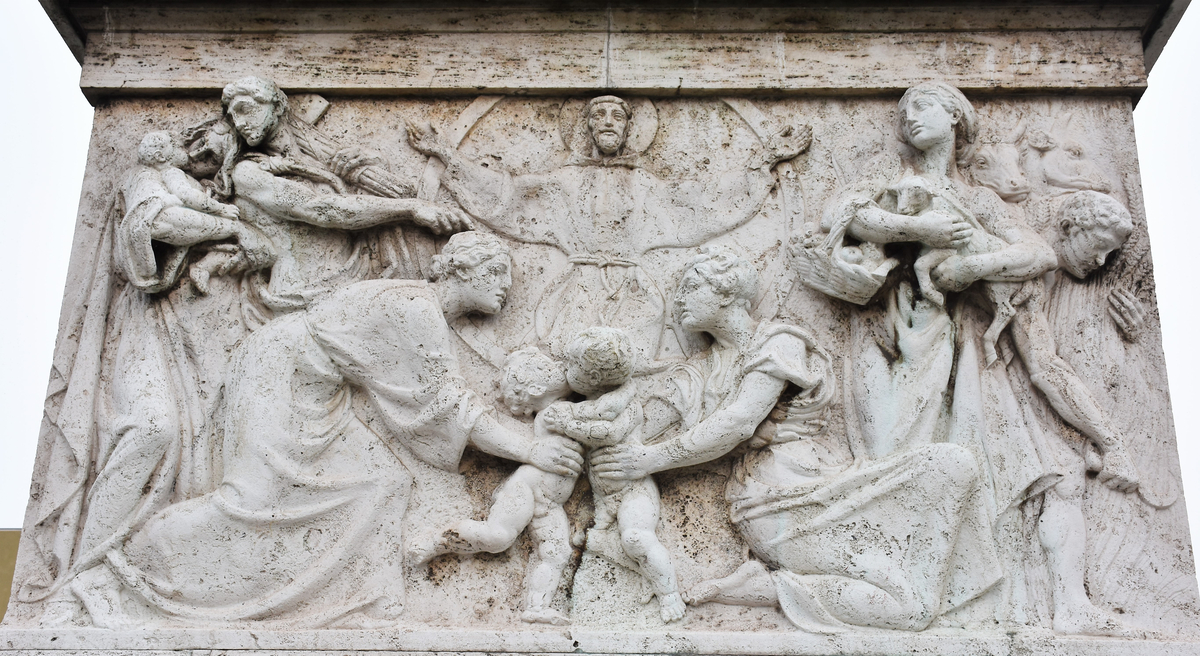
472, 274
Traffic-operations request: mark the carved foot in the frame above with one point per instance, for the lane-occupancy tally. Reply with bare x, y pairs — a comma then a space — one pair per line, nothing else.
62, 609
645, 591
1086, 619
702, 593
671, 607
545, 616
749, 585
1119, 472
100, 593
423, 546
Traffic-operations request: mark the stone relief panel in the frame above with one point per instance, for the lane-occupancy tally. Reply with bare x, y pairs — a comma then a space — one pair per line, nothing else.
707, 364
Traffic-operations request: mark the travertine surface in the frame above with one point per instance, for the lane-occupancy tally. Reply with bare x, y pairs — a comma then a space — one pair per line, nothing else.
656, 373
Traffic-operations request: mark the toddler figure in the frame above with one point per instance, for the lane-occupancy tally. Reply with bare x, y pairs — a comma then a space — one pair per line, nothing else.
600, 365
162, 158
530, 382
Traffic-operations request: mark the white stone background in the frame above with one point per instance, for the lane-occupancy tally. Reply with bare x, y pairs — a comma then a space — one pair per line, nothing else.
45, 123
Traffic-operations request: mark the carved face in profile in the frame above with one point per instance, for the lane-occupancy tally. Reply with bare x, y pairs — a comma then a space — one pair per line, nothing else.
608, 123
254, 120
485, 285
175, 155
1082, 251
927, 123
530, 382
698, 304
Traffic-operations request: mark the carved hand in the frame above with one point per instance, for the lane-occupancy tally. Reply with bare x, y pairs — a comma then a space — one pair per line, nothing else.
554, 416
348, 160
1128, 313
556, 455
788, 143
624, 462
942, 230
440, 219
424, 138
230, 212
598, 432
273, 165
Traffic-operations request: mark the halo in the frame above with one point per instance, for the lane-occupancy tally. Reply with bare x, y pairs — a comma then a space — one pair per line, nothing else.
643, 126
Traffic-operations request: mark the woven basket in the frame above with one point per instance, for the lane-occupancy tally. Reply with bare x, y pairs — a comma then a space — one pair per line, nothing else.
827, 273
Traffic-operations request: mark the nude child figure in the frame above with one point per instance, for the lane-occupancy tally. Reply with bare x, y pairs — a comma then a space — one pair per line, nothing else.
599, 366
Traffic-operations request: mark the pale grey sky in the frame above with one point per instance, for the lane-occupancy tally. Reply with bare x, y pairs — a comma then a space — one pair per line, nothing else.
45, 124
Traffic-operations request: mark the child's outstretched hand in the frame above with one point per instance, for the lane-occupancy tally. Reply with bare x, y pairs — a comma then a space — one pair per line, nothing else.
606, 408
230, 212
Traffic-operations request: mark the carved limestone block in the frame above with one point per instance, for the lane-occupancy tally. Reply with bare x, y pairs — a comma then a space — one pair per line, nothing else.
620, 331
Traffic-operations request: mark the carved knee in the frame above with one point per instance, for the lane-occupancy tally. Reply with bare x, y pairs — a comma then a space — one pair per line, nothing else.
637, 542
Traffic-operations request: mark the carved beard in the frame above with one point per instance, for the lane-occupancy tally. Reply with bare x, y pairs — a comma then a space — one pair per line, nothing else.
258, 134
608, 143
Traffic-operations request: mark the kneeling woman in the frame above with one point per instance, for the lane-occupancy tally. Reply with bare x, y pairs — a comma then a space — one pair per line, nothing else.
891, 542
304, 529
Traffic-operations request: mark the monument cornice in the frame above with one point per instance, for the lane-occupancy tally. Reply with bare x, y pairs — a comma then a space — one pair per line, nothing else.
656, 49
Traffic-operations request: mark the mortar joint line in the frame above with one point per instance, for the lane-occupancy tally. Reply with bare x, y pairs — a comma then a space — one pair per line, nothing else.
608, 45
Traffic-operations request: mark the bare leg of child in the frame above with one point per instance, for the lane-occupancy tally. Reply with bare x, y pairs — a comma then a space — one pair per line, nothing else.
637, 519
551, 535
512, 510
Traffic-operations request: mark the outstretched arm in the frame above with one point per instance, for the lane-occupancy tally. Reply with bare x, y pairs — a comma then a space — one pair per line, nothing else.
549, 452
493, 197
182, 226
181, 186
691, 212
292, 201
708, 440
1025, 256
871, 223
